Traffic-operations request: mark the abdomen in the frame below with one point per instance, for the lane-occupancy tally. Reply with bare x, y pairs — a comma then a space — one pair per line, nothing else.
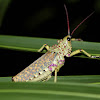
38, 70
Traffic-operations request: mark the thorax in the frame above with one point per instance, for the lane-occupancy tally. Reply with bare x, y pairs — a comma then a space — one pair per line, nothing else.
62, 49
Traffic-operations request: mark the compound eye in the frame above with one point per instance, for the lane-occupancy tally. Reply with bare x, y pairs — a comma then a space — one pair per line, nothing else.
68, 39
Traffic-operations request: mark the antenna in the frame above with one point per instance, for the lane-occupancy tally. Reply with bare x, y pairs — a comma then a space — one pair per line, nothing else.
81, 22
67, 19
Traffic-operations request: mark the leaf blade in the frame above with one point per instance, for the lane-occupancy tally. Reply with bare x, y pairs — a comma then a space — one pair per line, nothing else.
32, 44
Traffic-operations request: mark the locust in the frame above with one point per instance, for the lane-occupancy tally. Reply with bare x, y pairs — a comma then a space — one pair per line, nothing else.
42, 68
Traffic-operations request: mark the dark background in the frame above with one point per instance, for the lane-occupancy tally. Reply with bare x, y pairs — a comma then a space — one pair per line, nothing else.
47, 18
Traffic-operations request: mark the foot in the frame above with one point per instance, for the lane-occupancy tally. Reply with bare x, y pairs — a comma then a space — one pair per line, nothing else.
95, 56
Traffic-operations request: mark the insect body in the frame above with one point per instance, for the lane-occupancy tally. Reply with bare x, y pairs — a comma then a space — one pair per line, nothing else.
52, 60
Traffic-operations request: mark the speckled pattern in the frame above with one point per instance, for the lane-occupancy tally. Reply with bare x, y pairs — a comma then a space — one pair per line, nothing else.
35, 68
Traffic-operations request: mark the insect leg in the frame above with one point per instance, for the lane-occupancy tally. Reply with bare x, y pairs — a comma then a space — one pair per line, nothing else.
55, 78
83, 51
56, 70
44, 46
80, 51
61, 63
95, 56
47, 78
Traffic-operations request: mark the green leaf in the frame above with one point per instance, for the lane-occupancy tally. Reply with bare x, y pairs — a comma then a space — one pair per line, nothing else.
67, 87
24, 43
32, 44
